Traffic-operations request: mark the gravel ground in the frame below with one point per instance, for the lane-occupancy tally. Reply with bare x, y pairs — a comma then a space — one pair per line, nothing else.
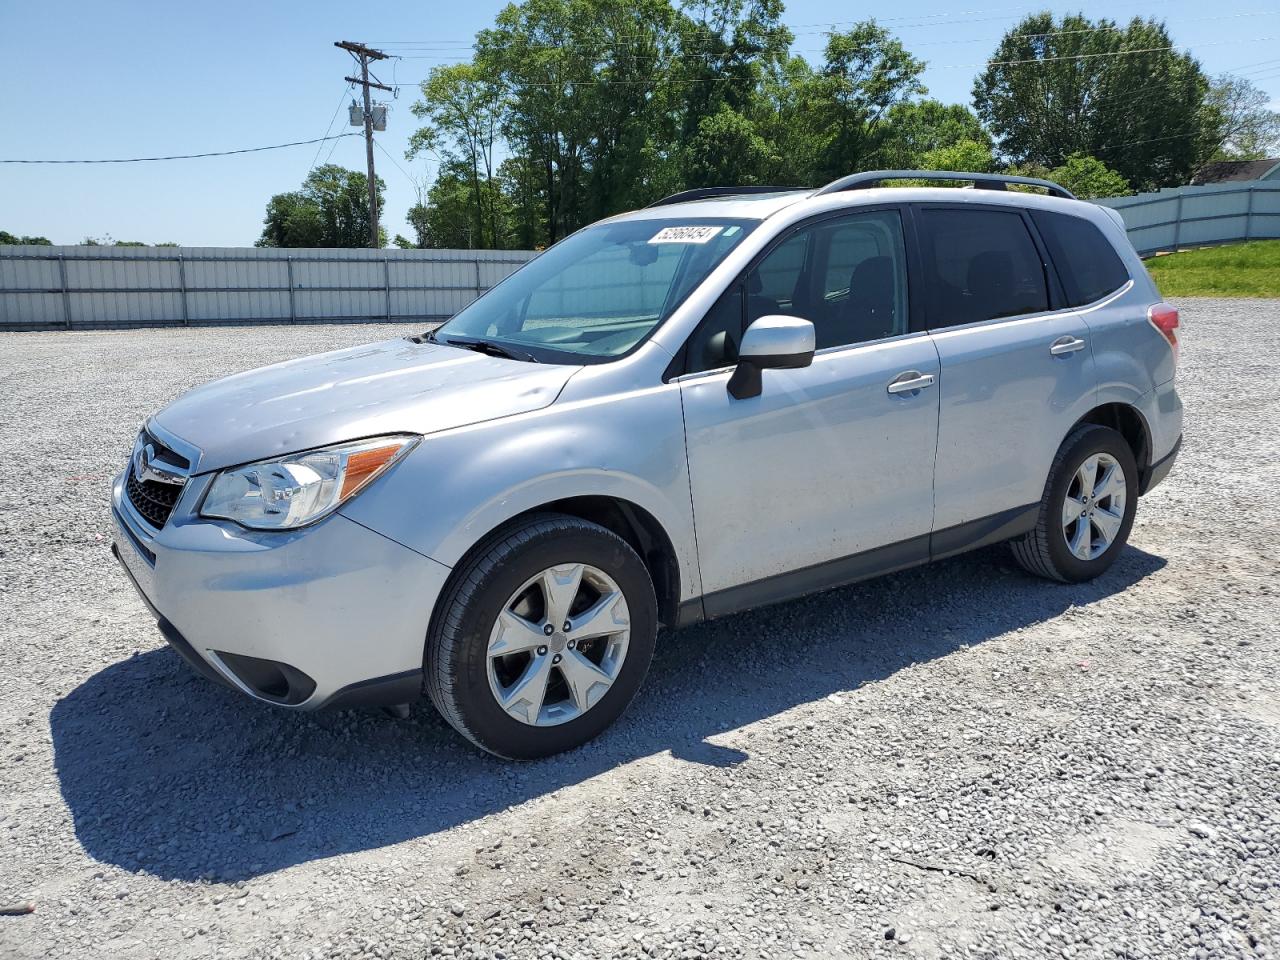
953, 761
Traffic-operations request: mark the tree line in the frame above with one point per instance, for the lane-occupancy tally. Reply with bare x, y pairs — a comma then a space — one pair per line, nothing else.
7, 239
572, 110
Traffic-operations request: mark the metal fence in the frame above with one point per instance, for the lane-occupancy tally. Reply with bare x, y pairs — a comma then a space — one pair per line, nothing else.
1181, 217
106, 287
44, 288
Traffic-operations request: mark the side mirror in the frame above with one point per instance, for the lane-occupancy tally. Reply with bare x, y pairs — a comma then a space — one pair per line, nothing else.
771, 343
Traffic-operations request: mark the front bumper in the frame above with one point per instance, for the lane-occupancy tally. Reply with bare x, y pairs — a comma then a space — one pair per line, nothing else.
330, 614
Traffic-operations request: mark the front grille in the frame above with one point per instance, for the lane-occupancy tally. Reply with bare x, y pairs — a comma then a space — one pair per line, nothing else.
153, 500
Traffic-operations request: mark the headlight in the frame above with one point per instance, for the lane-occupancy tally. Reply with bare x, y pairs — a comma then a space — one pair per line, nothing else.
300, 488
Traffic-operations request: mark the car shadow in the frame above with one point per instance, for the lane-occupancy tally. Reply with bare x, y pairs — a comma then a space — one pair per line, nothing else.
170, 774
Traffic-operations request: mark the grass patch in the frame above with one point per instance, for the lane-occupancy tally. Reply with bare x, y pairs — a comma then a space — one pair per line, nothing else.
1237, 270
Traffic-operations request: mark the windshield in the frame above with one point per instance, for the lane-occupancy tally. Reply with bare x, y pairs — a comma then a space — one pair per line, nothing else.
598, 293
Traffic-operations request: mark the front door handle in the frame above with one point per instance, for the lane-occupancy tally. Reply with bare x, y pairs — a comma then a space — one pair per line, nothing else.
912, 381
1064, 345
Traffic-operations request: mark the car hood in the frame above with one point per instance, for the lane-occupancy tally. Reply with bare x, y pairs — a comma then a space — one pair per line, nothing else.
396, 386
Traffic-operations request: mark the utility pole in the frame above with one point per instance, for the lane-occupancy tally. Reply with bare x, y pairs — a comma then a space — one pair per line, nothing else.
364, 54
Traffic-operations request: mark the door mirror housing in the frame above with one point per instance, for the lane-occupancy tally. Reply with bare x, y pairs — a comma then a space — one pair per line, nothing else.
771, 343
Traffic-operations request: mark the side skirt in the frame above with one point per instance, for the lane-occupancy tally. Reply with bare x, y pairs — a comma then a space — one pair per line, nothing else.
983, 532
865, 565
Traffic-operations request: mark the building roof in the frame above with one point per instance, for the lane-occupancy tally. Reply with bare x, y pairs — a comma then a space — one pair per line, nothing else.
1231, 171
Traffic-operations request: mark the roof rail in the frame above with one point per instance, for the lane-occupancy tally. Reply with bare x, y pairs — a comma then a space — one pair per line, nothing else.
983, 181
706, 193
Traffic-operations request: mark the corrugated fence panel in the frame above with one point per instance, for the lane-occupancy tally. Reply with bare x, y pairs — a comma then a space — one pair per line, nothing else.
1200, 216
341, 304
36, 286
429, 304
90, 287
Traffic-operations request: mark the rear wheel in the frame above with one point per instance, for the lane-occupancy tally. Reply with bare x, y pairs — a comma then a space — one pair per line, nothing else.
543, 639
1087, 509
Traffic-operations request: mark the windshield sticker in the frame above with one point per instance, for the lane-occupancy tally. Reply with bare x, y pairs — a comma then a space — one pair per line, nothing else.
685, 234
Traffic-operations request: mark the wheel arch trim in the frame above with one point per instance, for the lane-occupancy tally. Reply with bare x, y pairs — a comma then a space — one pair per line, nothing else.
639, 526
1127, 420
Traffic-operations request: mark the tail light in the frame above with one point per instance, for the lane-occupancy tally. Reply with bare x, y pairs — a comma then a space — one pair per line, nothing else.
1165, 319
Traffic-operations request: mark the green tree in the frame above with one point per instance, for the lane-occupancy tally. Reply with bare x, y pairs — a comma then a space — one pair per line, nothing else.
1243, 126
1087, 177
447, 218
822, 123
418, 216
780, 116
331, 210
726, 150
967, 156
461, 110
918, 127
725, 51
1118, 93
523, 186
7, 238
579, 78
867, 73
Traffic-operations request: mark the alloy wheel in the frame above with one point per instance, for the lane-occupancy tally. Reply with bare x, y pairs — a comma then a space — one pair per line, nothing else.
558, 644
1093, 510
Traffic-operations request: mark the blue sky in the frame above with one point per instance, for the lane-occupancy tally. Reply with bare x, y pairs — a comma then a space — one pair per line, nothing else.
128, 79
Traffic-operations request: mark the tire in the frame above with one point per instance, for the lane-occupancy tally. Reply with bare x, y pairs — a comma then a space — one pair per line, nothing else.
1047, 551
523, 573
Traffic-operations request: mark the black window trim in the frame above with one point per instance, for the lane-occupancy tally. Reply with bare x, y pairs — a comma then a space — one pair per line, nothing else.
678, 367
1053, 285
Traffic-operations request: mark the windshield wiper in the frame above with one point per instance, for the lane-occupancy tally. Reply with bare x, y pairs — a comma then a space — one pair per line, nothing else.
485, 346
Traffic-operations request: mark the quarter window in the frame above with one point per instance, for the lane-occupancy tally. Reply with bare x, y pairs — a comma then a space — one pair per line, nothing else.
1087, 262
982, 265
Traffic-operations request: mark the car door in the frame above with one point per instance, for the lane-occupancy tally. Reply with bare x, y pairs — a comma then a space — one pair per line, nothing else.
1017, 369
827, 475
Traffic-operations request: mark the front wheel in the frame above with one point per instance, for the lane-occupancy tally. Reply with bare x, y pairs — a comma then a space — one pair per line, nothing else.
1087, 509
543, 639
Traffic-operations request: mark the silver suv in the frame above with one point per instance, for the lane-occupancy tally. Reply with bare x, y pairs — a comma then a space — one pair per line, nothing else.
730, 398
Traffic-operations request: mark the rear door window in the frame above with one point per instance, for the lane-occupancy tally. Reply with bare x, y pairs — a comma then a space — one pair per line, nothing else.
980, 265
1088, 265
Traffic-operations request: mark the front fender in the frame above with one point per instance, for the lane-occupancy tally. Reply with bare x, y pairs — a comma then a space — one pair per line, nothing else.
460, 484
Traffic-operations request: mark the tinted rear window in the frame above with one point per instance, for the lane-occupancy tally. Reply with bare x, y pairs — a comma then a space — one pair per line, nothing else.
1087, 263
983, 265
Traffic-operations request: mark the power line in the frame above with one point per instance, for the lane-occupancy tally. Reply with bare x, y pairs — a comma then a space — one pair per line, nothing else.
196, 156
906, 22
1262, 66
336, 110
1090, 56
392, 158
332, 149
658, 80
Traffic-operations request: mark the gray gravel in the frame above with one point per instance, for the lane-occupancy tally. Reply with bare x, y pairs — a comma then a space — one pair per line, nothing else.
952, 761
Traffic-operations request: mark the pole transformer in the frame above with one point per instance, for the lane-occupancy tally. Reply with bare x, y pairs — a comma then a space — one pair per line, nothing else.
364, 55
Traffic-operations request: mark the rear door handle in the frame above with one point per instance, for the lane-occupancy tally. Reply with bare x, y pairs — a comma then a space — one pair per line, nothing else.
910, 382
1064, 345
